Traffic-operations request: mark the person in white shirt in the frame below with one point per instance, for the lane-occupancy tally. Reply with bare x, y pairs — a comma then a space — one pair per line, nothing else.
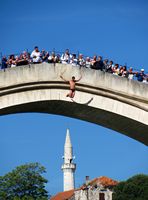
73, 60
116, 69
88, 62
65, 57
36, 55
81, 60
130, 73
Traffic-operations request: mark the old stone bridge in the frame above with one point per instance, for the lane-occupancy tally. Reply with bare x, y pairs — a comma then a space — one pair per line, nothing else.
102, 98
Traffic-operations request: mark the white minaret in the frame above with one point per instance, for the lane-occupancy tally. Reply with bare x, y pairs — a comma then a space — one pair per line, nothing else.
68, 167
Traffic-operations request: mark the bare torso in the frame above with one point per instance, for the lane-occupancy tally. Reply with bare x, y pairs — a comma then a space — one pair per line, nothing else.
72, 84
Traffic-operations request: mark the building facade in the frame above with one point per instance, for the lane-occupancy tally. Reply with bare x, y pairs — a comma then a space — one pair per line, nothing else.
100, 188
97, 189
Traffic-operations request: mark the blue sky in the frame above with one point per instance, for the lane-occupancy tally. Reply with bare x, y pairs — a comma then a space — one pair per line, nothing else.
116, 30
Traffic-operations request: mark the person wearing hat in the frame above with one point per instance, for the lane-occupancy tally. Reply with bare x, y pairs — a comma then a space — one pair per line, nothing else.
87, 62
81, 61
141, 75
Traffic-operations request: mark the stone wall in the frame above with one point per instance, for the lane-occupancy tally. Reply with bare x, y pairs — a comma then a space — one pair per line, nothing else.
92, 194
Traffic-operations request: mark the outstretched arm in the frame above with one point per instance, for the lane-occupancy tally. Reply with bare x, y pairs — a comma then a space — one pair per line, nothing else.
78, 79
63, 78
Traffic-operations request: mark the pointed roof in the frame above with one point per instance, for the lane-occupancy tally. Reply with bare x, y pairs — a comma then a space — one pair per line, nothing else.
67, 140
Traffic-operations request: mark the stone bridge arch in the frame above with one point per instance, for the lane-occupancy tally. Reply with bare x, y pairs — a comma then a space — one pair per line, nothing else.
102, 98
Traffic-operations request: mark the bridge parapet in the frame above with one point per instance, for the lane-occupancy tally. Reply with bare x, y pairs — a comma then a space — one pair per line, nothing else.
95, 78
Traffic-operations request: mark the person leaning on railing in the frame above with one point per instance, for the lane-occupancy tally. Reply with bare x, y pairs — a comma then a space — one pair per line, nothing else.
141, 76
4, 62
23, 59
36, 55
94, 63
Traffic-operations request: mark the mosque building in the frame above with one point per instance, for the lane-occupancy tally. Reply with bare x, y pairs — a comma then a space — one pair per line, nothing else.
100, 188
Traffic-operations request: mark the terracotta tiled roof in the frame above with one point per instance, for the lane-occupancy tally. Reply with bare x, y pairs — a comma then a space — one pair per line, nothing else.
63, 195
104, 181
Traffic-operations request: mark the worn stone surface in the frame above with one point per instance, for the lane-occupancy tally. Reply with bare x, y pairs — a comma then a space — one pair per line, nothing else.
92, 194
102, 98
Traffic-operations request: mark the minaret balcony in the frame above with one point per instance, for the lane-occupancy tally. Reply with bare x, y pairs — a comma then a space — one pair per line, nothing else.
68, 166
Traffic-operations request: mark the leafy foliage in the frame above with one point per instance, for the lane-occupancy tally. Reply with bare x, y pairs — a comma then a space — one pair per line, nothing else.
135, 188
25, 183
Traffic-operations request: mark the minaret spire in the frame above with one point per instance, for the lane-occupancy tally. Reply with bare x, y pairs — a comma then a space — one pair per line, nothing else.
68, 167
68, 141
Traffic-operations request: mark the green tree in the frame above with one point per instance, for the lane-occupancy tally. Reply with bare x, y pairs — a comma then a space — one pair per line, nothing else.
135, 188
24, 183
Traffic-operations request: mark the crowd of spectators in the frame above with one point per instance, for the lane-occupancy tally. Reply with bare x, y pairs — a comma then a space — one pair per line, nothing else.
96, 63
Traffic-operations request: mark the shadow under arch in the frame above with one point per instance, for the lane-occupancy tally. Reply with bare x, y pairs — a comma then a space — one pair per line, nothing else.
116, 122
